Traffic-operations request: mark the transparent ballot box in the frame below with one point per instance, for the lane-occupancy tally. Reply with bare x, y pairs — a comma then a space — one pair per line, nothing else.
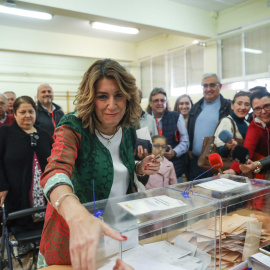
164, 230
243, 224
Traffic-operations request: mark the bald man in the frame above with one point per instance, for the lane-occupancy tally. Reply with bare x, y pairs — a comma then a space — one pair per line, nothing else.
48, 113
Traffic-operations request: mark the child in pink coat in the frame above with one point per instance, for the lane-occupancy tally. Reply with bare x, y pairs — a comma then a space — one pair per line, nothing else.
166, 175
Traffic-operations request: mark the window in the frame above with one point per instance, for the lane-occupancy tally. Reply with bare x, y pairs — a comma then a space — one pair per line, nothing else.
146, 78
159, 72
231, 57
183, 75
194, 69
258, 60
177, 73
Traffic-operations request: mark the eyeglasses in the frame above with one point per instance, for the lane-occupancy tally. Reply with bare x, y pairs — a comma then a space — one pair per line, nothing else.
211, 85
159, 100
266, 107
34, 138
160, 146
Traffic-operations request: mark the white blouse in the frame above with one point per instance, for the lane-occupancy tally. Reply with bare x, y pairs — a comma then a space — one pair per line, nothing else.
120, 172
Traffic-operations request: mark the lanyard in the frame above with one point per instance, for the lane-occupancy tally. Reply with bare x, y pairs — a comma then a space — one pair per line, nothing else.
53, 120
159, 128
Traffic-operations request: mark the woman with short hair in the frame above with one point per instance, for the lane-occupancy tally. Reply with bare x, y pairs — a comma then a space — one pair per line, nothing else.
24, 149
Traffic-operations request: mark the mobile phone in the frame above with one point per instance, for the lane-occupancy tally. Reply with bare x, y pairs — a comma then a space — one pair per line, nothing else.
167, 148
265, 249
159, 155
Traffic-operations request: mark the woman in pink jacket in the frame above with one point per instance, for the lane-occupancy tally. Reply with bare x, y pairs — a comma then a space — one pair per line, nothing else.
166, 175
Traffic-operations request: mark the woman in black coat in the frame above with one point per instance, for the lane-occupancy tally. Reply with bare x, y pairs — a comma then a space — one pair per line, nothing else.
24, 150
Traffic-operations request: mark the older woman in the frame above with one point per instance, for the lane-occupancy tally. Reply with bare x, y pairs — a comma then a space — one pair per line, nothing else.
94, 143
24, 150
235, 123
257, 139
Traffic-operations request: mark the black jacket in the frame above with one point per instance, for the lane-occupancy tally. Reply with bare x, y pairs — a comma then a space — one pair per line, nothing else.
225, 109
16, 160
44, 119
266, 163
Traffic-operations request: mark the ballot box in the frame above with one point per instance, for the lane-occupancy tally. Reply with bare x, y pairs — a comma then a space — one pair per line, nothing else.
243, 224
159, 224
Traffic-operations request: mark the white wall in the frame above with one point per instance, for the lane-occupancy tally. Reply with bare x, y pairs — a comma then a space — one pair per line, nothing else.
250, 12
26, 40
22, 73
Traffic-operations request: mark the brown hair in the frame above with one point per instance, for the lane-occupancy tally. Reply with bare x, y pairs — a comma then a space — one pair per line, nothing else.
176, 105
241, 94
23, 100
159, 137
86, 94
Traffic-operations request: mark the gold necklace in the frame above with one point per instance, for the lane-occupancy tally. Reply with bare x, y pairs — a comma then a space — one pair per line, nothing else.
107, 139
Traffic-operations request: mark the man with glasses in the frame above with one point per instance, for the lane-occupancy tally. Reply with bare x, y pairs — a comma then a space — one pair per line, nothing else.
203, 119
171, 125
5, 119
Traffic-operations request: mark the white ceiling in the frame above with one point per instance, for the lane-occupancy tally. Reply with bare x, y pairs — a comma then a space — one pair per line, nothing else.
78, 24
211, 5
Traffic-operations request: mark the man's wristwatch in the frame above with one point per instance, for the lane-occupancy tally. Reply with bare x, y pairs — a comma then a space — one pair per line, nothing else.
259, 167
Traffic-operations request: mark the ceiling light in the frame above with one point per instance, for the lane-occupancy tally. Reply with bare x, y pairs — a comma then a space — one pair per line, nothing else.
247, 50
115, 28
201, 43
25, 13
195, 41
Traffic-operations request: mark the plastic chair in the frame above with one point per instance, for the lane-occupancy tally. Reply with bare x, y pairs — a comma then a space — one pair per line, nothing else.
21, 235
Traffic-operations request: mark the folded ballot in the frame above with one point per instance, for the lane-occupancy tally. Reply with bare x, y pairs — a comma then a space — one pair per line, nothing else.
147, 205
222, 185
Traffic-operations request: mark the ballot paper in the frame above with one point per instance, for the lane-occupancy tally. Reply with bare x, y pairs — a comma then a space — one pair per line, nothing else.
163, 255
238, 233
144, 133
165, 252
143, 263
222, 185
146, 205
259, 261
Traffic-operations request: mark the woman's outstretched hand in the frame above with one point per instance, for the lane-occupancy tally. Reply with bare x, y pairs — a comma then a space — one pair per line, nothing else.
85, 233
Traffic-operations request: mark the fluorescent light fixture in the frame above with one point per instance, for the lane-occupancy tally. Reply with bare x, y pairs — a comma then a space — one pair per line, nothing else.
247, 50
115, 28
25, 13
195, 41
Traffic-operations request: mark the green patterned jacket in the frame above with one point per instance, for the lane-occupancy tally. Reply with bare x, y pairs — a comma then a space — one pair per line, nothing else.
94, 161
